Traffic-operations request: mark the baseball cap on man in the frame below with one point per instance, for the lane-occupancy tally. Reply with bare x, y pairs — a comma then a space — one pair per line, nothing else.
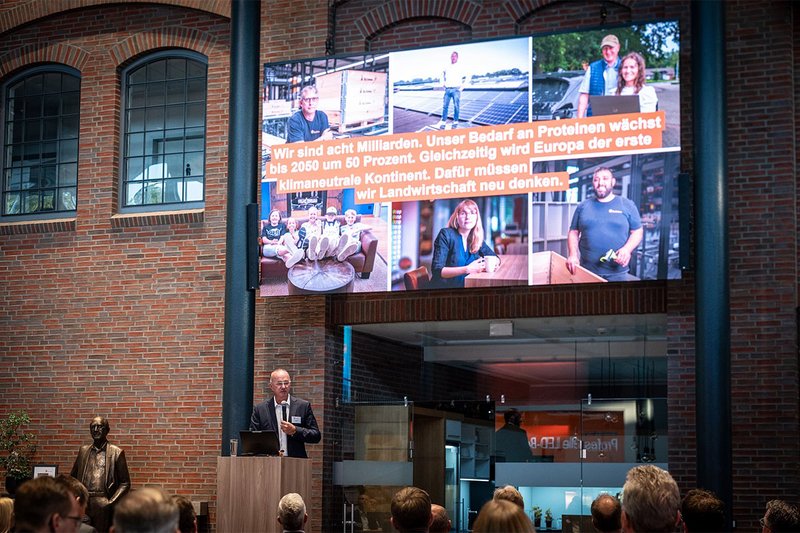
331, 211
609, 40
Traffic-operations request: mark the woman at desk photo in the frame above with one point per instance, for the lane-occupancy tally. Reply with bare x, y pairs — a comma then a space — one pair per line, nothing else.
459, 248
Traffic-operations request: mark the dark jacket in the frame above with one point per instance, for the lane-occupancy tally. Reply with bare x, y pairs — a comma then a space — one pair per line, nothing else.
263, 419
118, 480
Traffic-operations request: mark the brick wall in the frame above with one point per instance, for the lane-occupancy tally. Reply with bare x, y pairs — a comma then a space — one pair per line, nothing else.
762, 180
120, 316
124, 316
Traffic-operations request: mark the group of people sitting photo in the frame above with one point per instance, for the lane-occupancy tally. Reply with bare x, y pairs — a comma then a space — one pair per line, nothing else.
317, 238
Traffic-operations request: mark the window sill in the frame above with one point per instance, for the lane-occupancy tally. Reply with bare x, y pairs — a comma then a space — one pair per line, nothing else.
52, 225
157, 218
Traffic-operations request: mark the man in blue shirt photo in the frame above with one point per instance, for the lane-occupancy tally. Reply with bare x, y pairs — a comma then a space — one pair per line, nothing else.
605, 231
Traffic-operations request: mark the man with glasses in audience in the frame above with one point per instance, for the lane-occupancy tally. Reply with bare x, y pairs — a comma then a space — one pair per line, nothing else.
288, 416
781, 517
43, 505
308, 124
77, 489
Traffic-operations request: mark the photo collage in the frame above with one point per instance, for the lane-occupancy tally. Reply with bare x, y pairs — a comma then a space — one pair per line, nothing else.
524, 161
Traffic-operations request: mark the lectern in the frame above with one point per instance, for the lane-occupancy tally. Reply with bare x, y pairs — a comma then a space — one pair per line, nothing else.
249, 489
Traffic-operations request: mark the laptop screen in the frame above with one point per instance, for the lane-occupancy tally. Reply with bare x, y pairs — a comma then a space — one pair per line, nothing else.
259, 442
614, 105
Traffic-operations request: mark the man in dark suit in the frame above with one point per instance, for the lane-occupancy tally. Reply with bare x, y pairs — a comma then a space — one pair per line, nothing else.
289, 416
511, 441
103, 470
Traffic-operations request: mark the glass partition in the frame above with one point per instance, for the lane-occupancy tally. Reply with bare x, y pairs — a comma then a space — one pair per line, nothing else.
374, 460
483, 412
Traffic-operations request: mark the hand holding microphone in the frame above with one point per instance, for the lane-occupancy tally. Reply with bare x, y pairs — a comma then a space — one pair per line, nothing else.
286, 427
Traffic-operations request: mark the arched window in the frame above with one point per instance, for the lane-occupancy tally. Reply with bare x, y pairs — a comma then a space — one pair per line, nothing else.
41, 119
164, 132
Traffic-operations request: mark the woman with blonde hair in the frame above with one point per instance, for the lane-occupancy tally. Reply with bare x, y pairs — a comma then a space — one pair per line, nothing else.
502, 516
459, 248
6, 514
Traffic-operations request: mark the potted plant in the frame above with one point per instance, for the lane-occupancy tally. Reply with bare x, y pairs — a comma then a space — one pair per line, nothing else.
17, 449
548, 518
537, 516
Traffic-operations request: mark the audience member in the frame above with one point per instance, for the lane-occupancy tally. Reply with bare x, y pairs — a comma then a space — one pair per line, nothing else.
441, 522
511, 494
502, 516
650, 501
702, 511
6, 513
79, 491
292, 514
411, 510
147, 510
781, 517
606, 514
43, 505
187, 518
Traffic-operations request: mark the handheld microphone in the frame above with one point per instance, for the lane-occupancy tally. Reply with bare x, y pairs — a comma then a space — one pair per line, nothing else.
284, 410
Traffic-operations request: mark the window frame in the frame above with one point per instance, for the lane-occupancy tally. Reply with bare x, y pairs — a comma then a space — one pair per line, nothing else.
142, 62
21, 75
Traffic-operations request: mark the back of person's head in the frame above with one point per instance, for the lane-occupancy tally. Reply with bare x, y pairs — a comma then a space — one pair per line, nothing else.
75, 487
40, 503
411, 510
147, 510
441, 522
606, 514
6, 513
782, 517
702, 511
509, 493
292, 512
187, 518
650, 500
502, 516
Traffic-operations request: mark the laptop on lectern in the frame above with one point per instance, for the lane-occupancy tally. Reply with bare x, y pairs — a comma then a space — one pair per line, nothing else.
614, 105
259, 442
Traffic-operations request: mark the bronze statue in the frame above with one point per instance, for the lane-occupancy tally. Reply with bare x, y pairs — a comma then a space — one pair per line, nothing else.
102, 468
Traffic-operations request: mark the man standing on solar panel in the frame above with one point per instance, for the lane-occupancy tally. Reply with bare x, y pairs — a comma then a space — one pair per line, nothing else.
454, 79
601, 76
605, 231
288, 416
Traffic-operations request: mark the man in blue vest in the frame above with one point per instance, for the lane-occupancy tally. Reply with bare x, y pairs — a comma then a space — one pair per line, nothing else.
601, 76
